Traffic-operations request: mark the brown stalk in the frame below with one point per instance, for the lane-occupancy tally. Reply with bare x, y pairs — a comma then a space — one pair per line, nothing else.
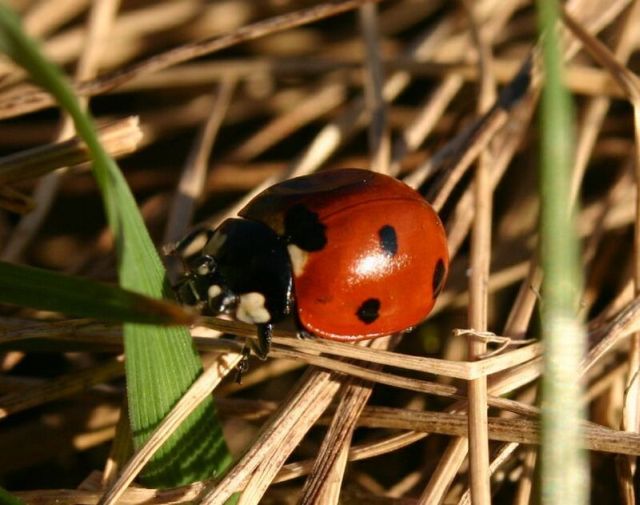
279, 436
478, 283
45, 17
199, 391
453, 458
580, 79
194, 172
119, 138
627, 467
61, 387
630, 84
351, 120
379, 137
99, 22
316, 104
333, 454
37, 100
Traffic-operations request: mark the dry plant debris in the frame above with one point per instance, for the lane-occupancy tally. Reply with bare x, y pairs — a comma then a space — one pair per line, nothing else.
206, 104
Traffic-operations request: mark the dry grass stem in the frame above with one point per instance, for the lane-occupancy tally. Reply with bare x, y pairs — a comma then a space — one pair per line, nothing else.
524, 431
631, 85
334, 451
47, 16
379, 137
99, 23
61, 387
37, 100
580, 79
120, 449
194, 172
200, 390
279, 437
503, 455
458, 369
478, 283
318, 103
119, 138
132, 496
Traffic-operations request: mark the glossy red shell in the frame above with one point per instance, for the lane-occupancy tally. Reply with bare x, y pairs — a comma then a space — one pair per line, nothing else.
354, 271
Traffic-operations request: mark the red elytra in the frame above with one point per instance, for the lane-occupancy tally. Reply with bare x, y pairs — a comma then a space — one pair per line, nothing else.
372, 259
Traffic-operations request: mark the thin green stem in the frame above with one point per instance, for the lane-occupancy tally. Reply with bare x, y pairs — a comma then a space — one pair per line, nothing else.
564, 465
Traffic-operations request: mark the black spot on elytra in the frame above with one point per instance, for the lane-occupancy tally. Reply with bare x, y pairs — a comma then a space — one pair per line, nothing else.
368, 312
303, 228
438, 277
388, 239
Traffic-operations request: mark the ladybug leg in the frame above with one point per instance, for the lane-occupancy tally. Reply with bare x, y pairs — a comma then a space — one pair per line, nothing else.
265, 336
260, 349
243, 365
304, 334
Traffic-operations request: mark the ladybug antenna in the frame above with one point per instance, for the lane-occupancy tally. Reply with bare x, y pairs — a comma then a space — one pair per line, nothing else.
193, 286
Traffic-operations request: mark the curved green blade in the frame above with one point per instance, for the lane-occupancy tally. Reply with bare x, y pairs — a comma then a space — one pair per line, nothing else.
161, 362
75, 296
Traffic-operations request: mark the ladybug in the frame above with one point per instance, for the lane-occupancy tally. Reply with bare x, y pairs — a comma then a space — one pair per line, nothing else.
350, 253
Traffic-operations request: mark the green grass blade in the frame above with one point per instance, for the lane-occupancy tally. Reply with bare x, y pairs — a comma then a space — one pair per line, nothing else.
7, 498
161, 362
75, 296
564, 472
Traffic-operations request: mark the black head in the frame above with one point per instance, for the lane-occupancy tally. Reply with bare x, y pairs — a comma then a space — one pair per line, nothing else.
244, 270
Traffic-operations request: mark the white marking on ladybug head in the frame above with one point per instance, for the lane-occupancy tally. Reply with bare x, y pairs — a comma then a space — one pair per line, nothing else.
251, 309
203, 269
213, 291
215, 243
298, 259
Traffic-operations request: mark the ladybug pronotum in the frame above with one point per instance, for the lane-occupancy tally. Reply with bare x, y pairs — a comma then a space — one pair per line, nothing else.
350, 253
